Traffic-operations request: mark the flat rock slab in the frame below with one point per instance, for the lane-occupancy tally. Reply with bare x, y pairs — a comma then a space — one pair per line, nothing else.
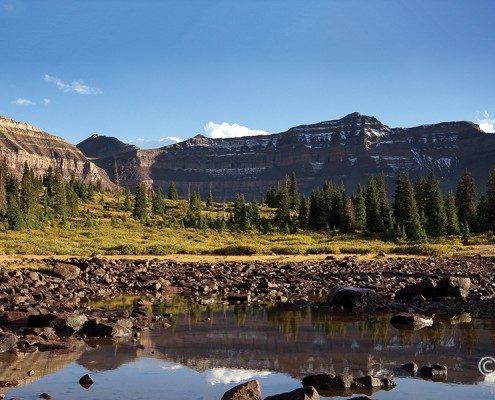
305, 393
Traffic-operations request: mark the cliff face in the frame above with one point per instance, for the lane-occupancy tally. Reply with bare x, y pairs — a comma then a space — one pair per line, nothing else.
21, 142
350, 149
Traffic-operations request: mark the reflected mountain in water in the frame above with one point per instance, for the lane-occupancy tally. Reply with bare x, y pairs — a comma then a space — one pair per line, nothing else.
239, 338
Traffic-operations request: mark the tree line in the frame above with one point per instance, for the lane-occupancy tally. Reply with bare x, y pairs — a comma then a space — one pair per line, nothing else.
418, 210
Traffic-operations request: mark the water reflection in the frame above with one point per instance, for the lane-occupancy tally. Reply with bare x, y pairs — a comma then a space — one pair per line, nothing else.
229, 344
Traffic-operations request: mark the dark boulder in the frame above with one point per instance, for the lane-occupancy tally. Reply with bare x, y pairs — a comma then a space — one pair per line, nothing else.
424, 288
455, 287
410, 367
355, 297
97, 327
432, 371
328, 381
407, 320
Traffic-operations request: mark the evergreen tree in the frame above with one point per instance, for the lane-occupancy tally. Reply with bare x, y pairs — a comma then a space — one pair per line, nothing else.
420, 194
436, 219
373, 217
452, 227
253, 214
140, 210
466, 200
158, 203
482, 215
127, 205
209, 200
359, 202
172, 192
271, 197
59, 197
239, 216
349, 220
3, 179
28, 200
303, 217
282, 213
490, 200
406, 210
293, 193
384, 206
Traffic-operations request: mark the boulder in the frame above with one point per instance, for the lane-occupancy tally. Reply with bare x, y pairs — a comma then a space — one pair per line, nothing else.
435, 370
66, 271
405, 320
367, 382
354, 297
97, 327
8, 341
455, 287
424, 288
328, 381
410, 367
86, 381
246, 391
305, 393
63, 322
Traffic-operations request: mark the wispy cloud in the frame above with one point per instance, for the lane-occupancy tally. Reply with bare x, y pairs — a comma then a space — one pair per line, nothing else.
74, 86
486, 123
46, 101
225, 130
23, 102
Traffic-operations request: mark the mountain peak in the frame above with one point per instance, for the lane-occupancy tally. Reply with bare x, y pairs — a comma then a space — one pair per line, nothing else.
353, 115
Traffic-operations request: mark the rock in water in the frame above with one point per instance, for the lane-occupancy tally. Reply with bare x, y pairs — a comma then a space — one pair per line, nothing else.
86, 381
410, 367
414, 321
305, 393
454, 287
247, 391
435, 370
354, 297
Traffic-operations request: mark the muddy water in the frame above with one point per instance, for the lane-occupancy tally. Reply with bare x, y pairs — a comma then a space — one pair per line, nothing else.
208, 350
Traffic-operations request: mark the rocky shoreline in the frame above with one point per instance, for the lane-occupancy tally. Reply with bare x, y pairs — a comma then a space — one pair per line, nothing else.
42, 307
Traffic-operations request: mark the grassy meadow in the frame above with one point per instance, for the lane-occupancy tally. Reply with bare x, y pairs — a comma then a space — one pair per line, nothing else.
102, 229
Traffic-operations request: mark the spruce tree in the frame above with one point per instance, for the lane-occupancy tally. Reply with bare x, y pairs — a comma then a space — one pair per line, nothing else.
373, 217
59, 196
384, 205
406, 210
436, 219
359, 201
482, 215
253, 214
490, 200
282, 213
209, 200
140, 210
420, 194
294, 193
239, 215
127, 205
466, 200
157, 203
271, 197
452, 227
349, 219
172, 192
303, 214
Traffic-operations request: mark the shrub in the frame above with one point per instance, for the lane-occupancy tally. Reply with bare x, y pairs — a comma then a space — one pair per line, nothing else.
322, 250
288, 250
235, 250
423, 250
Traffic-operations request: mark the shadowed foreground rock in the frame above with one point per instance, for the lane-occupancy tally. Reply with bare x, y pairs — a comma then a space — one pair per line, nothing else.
410, 321
246, 391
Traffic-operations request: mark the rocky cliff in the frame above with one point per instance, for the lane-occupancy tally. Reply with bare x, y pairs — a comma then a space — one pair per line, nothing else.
350, 149
21, 142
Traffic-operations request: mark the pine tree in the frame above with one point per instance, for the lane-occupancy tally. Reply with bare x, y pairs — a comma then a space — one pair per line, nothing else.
373, 217
271, 197
482, 215
349, 220
406, 210
452, 227
384, 205
140, 210
172, 192
359, 202
158, 203
303, 217
3, 179
490, 200
59, 196
466, 200
209, 200
127, 205
294, 193
239, 214
253, 214
436, 219
420, 194
28, 200
282, 213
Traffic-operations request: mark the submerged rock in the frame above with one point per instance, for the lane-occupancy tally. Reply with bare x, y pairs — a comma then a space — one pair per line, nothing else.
354, 297
435, 370
328, 381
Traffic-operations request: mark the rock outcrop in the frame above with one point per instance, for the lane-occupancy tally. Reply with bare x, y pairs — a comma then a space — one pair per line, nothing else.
350, 149
21, 143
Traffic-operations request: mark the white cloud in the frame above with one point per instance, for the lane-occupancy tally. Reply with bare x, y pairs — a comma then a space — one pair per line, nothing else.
225, 130
75, 86
23, 102
46, 101
486, 123
228, 375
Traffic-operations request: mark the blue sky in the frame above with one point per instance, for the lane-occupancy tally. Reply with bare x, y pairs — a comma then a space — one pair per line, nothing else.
154, 69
